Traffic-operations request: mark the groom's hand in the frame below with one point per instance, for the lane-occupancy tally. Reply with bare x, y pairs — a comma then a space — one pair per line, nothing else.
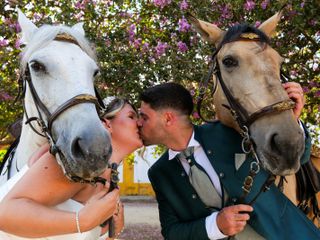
232, 220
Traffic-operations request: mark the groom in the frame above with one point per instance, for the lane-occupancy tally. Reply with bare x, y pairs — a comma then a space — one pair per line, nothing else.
165, 111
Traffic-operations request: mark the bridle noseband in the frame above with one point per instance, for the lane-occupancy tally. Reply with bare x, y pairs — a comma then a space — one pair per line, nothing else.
46, 125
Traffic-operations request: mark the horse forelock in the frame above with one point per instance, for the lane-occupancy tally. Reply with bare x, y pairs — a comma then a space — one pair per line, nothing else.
234, 33
46, 34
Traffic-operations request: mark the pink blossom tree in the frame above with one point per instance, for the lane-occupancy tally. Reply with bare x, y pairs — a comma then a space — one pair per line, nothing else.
140, 43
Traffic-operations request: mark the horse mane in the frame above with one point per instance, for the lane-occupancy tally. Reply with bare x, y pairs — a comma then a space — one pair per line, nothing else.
45, 34
234, 32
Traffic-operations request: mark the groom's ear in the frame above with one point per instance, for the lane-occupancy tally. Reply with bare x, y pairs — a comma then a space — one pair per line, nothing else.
169, 118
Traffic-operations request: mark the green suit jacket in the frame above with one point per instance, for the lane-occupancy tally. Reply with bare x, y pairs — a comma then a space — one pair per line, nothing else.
182, 213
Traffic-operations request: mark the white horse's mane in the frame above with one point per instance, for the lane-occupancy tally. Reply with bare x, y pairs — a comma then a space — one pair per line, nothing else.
45, 34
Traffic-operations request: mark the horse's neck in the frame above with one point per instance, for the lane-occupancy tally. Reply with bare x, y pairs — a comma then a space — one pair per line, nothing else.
29, 143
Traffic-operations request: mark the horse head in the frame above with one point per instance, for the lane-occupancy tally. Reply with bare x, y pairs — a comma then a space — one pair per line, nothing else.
248, 79
58, 65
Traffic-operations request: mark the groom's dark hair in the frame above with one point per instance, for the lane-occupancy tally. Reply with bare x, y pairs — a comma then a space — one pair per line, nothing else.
168, 95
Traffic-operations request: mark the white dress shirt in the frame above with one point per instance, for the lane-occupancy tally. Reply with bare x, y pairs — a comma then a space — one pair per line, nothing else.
202, 159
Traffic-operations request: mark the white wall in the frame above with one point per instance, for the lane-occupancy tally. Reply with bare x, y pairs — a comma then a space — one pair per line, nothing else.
141, 165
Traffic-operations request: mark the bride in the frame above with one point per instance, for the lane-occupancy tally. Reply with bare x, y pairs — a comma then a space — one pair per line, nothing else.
40, 202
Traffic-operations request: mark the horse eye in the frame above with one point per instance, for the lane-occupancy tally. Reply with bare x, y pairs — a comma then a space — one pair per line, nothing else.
229, 61
37, 66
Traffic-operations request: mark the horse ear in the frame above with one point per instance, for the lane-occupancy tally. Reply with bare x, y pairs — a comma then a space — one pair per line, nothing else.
79, 27
27, 27
209, 32
269, 26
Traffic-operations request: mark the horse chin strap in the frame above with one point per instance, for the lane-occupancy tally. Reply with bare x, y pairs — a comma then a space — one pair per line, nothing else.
243, 118
46, 123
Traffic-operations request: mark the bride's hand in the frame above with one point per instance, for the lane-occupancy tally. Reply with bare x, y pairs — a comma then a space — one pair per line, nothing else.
100, 207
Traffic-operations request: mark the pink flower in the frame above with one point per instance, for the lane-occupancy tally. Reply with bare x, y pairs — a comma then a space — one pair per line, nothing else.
195, 115
5, 96
161, 3
37, 16
264, 4
132, 33
225, 12
184, 26
17, 27
164, 21
18, 43
182, 47
145, 47
249, 5
123, 14
4, 42
257, 24
137, 43
151, 60
317, 93
305, 89
108, 42
161, 48
313, 84
79, 15
80, 5
183, 5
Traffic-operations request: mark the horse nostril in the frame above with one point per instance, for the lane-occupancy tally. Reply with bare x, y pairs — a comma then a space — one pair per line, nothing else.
76, 148
274, 144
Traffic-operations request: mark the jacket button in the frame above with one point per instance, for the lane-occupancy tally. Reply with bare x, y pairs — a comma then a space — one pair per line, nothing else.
209, 152
183, 174
221, 175
234, 200
194, 196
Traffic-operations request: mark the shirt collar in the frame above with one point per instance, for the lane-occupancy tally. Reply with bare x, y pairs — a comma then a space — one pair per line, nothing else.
192, 143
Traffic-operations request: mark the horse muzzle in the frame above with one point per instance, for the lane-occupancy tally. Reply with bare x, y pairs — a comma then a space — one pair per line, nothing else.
279, 146
84, 152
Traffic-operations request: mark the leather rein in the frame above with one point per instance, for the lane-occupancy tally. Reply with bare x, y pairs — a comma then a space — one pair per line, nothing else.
46, 125
242, 117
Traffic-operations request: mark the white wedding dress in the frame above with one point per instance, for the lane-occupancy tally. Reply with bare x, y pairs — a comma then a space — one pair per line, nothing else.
69, 205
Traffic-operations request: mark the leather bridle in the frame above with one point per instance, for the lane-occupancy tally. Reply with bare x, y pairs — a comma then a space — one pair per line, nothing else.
46, 125
240, 114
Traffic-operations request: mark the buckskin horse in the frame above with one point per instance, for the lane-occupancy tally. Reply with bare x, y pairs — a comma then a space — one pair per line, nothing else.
248, 97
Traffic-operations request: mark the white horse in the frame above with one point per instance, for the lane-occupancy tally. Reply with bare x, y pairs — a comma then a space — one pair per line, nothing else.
58, 66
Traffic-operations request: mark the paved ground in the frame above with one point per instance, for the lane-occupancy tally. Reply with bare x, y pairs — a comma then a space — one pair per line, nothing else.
141, 219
